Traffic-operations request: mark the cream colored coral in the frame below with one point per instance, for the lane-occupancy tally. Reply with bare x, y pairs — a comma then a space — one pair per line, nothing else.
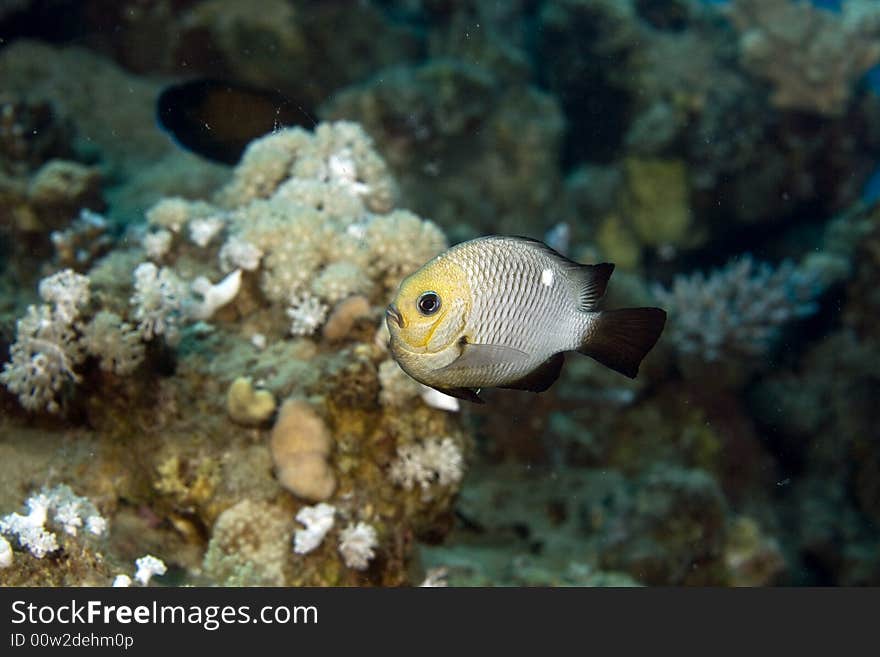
398, 388
173, 212
399, 243
338, 154
340, 280
249, 545
813, 57
344, 317
248, 406
264, 165
300, 447
115, 343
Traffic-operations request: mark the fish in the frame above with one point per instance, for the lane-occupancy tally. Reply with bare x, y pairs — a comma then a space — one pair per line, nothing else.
502, 312
217, 119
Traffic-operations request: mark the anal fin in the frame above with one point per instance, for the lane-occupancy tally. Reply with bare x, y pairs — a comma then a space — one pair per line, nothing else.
468, 394
542, 377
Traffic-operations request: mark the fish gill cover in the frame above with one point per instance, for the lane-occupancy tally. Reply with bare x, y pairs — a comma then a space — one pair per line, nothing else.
195, 377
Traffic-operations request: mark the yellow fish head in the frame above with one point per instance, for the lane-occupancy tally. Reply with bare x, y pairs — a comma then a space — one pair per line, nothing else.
429, 313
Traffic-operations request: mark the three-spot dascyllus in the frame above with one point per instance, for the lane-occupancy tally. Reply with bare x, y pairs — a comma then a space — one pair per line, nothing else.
501, 311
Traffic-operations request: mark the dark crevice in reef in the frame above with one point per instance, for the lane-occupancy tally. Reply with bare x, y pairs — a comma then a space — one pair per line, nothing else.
669, 15
596, 107
55, 21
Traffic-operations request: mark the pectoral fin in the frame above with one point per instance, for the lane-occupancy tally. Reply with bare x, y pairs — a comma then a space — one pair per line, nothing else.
478, 356
542, 377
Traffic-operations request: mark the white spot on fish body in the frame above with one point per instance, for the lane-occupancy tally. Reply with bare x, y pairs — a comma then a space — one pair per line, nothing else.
547, 277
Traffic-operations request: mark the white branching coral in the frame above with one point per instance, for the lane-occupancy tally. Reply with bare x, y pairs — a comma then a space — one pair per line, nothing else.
116, 343
5, 553
318, 520
157, 243
307, 314
435, 578
339, 154
434, 461
237, 253
204, 229
148, 567
30, 530
357, 545
157, 298
59, 506
53, 338
43, 358
46, 348
67, 291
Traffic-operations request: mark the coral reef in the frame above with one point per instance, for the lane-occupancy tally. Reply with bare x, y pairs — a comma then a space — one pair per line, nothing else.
300, 446
30, 134
250, 543
475, 154
248, 406
812, 56
196, 387
319, 210
733, 316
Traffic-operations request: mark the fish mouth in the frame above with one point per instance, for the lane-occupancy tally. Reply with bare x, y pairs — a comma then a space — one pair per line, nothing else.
391, 312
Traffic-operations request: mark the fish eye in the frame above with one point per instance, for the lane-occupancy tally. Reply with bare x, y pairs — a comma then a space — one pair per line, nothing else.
428, 303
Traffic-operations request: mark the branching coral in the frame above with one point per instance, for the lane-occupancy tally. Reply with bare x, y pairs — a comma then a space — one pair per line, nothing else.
812, 56
47, 349
307, 313
317, 521
433, 461
51, 340
115, 342
340, 155
59, 506
357, 545
158, 299
315, 237
735, 313
67, 291
83, 241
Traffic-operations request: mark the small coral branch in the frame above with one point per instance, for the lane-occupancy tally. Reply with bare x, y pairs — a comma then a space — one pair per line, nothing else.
734, 314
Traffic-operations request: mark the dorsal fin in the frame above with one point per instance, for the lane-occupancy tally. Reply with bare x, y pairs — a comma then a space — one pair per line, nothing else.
592, 279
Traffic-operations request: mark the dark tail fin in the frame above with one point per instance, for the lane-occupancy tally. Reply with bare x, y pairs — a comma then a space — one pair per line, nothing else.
620, 339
